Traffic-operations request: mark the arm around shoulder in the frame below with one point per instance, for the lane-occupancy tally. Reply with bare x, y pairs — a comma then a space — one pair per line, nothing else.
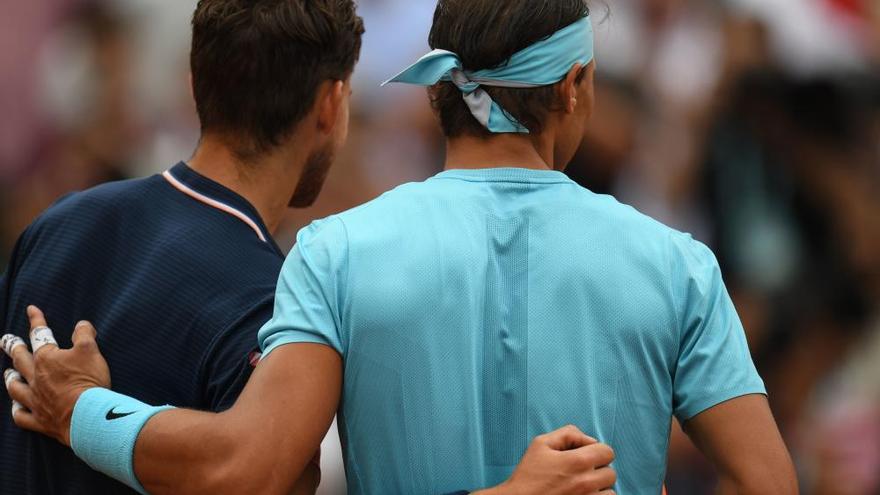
263, 444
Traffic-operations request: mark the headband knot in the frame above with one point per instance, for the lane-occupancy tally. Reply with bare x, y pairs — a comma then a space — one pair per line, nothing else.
541, 64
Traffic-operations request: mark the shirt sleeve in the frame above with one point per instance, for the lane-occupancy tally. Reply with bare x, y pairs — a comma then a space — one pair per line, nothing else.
309, 296
230, 359
714, 364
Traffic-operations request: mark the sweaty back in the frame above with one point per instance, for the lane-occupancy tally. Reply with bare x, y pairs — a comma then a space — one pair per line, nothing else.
481, 308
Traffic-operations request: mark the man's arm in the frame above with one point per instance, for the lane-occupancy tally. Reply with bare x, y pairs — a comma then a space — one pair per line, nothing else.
260, 445
263, 443
717, 393
227, 365
742, 441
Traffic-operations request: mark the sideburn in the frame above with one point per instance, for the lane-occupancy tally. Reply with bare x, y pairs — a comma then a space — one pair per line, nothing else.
312, 180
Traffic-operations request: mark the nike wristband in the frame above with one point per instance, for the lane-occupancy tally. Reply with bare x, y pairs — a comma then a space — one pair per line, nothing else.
104, 429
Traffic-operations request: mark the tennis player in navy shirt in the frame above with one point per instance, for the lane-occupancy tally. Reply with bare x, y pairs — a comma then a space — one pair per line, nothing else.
183, 268
182, 265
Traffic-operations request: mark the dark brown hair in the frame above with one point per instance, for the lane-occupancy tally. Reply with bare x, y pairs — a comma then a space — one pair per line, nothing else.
257, 64
485, 34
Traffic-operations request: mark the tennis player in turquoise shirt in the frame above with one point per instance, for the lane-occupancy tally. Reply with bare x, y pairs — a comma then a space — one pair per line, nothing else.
463, 315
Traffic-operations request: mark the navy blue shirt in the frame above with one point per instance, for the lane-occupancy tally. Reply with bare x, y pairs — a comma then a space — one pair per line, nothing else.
177, 273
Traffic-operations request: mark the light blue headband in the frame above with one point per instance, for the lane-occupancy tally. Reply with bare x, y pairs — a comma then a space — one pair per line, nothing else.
544, 63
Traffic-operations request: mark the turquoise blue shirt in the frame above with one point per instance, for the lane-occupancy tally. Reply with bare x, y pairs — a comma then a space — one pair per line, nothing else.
478, 309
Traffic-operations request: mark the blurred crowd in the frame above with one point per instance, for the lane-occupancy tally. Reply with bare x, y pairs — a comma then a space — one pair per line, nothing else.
753, 124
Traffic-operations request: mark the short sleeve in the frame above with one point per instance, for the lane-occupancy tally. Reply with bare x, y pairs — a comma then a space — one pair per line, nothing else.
230, 359
309, 296
714, 364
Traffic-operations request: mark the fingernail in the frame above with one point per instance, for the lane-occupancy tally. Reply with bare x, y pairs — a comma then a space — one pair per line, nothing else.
31, 309
16, 407
81, 323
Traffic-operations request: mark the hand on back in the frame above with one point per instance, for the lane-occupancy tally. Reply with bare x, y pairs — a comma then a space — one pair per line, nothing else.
564, 462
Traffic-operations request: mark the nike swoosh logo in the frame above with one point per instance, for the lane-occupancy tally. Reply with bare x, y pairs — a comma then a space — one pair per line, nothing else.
112, 414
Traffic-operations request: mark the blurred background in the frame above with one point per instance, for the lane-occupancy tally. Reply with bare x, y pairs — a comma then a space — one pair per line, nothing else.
753, 124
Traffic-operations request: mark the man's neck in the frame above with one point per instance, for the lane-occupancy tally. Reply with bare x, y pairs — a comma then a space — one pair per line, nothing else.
268, 183
503, 150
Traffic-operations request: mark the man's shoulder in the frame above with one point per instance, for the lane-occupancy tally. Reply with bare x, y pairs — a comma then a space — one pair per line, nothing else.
607, 209
103, 199
630, 238
644, 238
136, 221
608, 220
83, 214
393, 210
400, 197
335, 229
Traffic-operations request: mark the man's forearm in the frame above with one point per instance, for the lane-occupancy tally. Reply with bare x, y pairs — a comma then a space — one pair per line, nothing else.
183, 452
263, 444
163, 450
254, 447
153, 449
187, 452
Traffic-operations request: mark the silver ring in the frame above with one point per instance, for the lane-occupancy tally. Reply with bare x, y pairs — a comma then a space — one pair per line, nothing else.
10, 376
42, 336
9, 342
16, 407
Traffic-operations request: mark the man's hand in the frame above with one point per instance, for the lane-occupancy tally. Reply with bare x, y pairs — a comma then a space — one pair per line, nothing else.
48, 382
564, 462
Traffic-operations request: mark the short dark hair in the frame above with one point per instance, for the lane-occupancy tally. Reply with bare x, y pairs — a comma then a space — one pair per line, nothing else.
485, 34
257, 64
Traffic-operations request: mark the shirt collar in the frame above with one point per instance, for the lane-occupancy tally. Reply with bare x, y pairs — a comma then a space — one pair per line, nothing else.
516, 175
202, 189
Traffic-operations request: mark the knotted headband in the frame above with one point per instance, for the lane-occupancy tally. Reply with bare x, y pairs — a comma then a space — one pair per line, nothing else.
544, 63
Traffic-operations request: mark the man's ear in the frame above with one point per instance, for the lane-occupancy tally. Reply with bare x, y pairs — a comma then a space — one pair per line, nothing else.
568, 88
587, 88
331, 97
